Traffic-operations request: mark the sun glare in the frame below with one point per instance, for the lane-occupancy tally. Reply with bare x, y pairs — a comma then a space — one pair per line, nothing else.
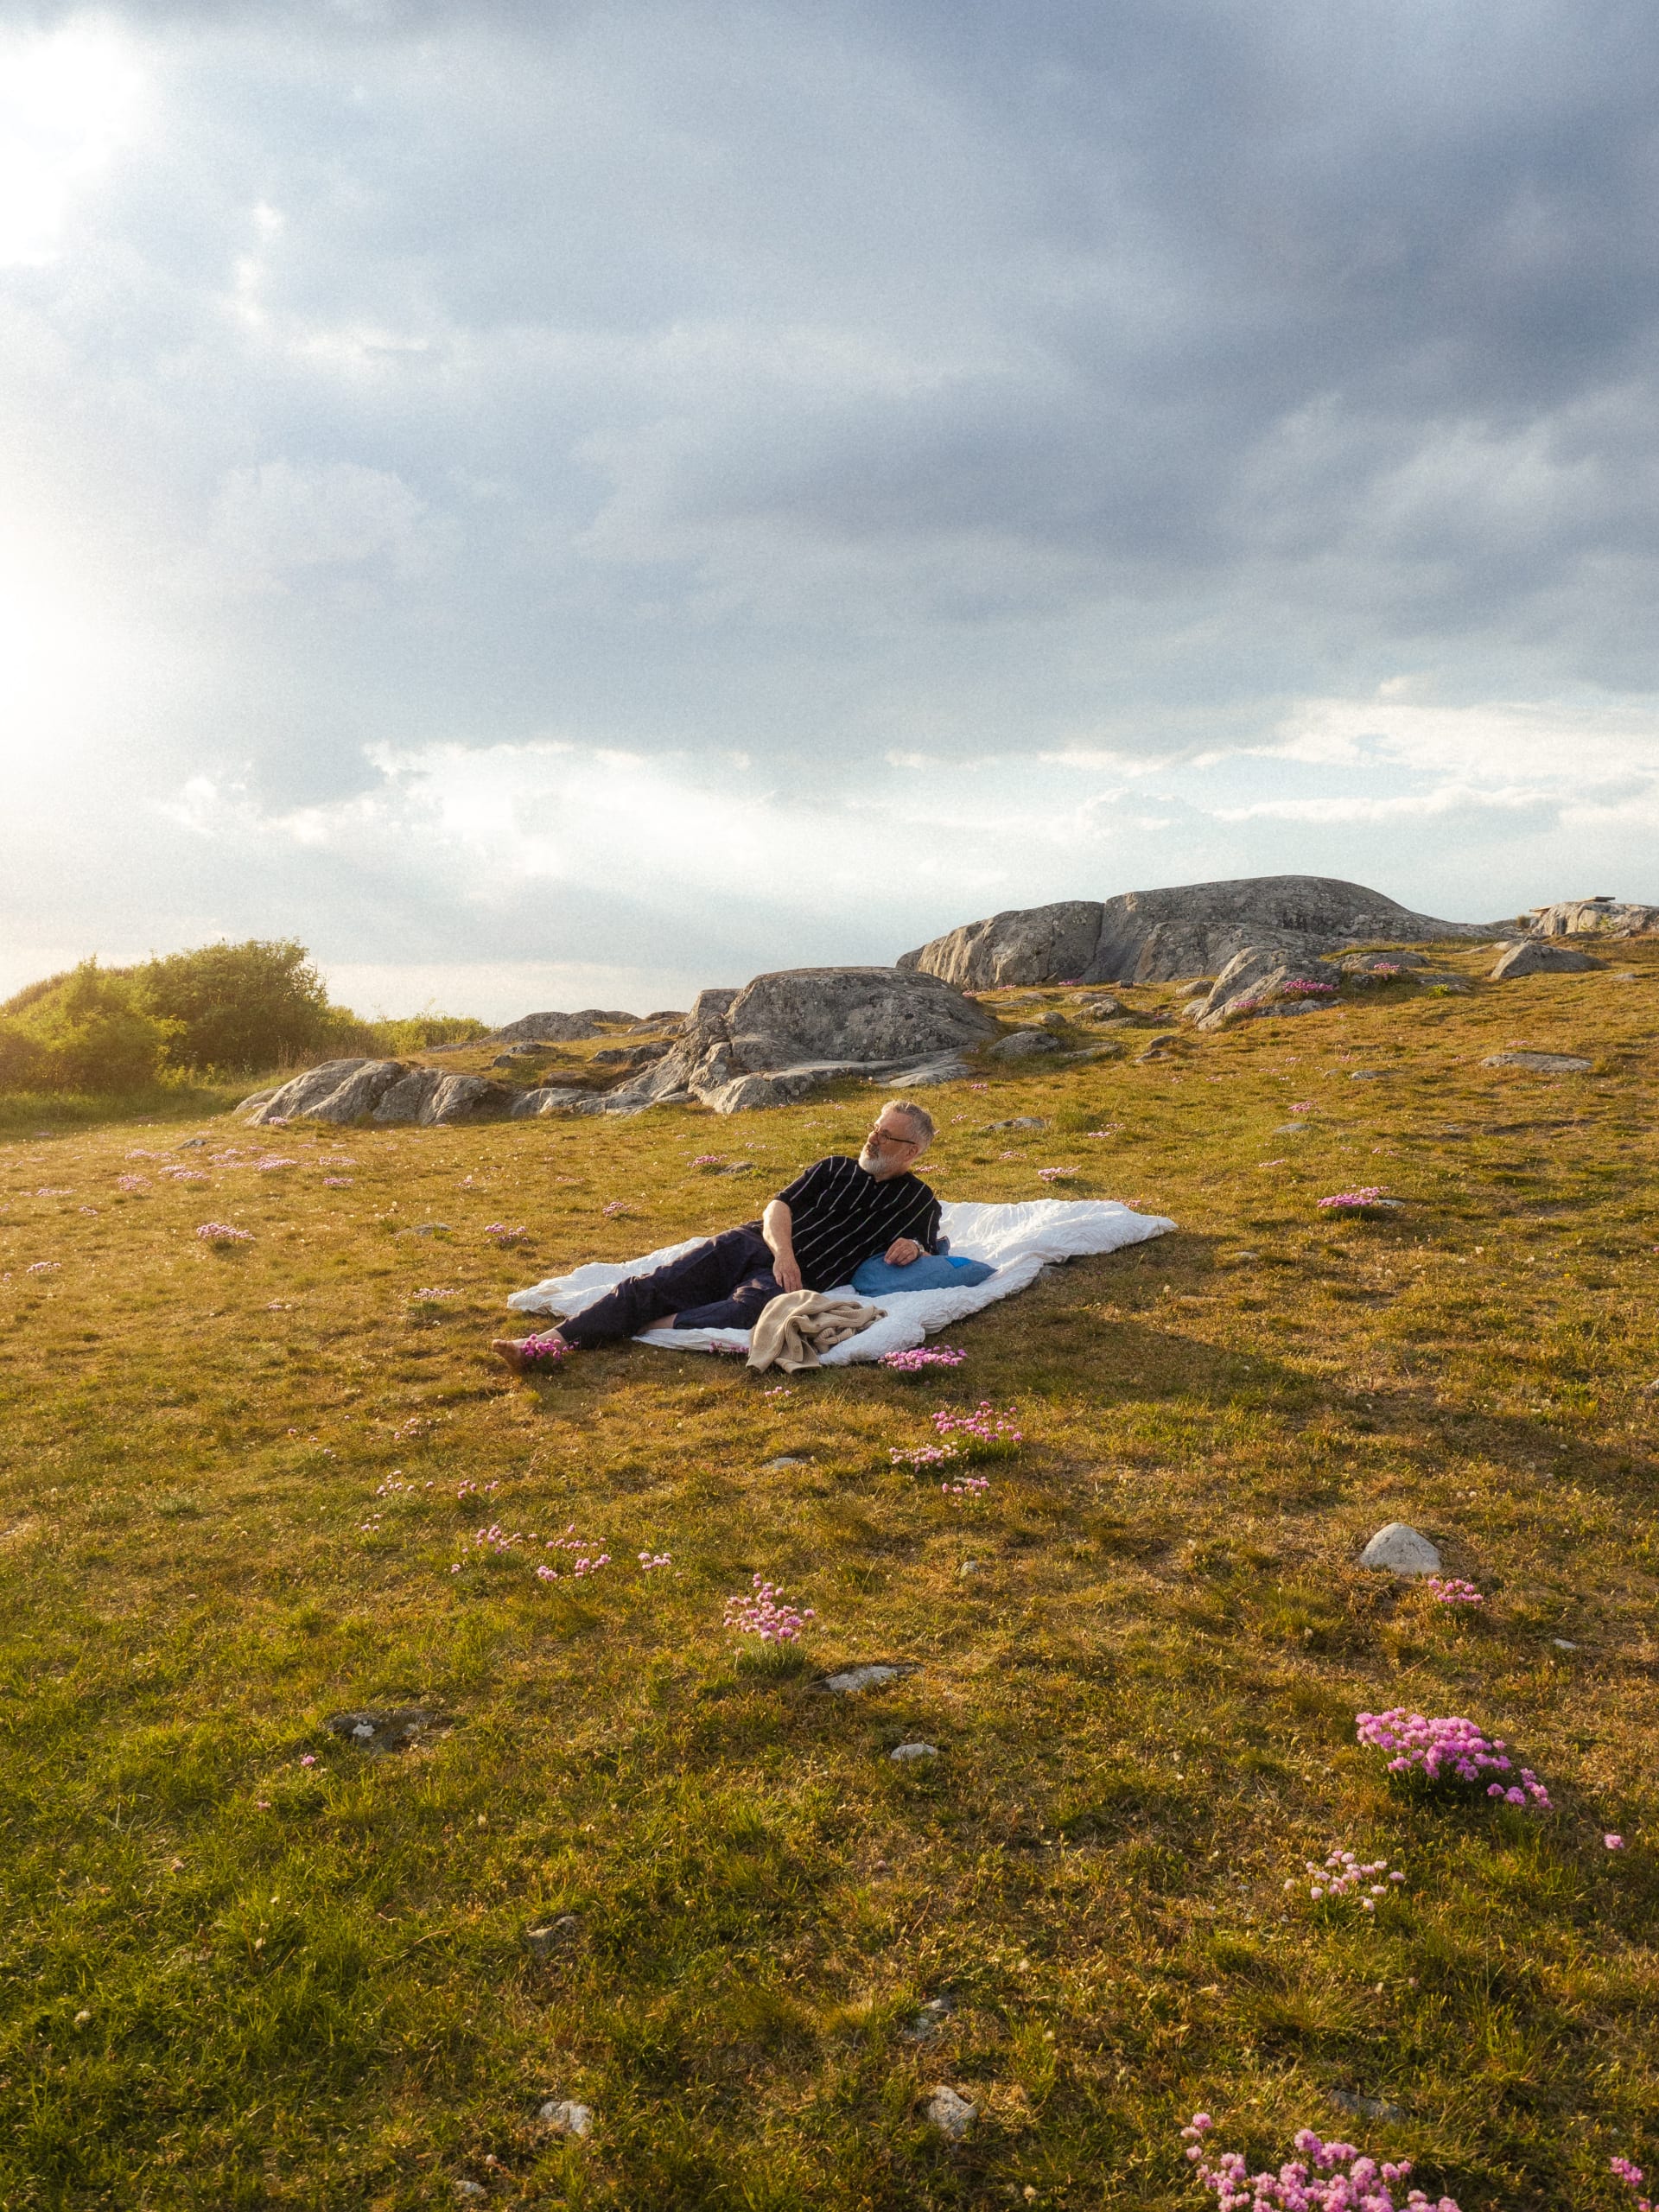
68, 100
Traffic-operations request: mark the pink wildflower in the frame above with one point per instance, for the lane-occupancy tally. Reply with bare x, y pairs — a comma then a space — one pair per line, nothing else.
1631, 2176
1453, 1590
1614, 1842
761, 1615
221, 1232
1366, 2186
1349, 1201
1447, 1747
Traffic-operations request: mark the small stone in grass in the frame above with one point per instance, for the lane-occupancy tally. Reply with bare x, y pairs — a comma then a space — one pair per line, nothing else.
905, 1752
378, 1730
925, 2024
1400, 1550
951, 2114
1561, 1643
787, 1460
556, 1935
565, 2117
1366, 2107
969, 1568
1370, 1075
469, 2189
862, 1678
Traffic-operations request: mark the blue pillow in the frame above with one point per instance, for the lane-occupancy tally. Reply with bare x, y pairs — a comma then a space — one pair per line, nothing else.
877, 1278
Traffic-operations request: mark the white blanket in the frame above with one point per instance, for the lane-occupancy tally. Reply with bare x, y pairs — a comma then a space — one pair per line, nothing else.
1020, 1241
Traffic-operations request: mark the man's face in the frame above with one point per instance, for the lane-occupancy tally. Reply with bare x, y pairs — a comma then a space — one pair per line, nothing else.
890, 1148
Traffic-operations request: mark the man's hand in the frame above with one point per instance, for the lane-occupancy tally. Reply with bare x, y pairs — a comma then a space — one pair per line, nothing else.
786, 1271
900, 1255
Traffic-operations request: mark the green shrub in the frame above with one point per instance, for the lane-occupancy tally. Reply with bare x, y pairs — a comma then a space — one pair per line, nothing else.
255, 1005
91, 1031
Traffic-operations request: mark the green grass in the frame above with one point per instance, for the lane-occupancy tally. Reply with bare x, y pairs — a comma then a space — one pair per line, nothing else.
309, 1985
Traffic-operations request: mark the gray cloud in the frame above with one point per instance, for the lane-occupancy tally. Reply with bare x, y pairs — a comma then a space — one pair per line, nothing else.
977, 381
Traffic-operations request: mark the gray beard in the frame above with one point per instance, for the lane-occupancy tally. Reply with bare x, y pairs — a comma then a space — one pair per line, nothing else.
871, 1161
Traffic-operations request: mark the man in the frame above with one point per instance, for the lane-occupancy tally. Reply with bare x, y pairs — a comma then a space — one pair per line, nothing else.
835, 1214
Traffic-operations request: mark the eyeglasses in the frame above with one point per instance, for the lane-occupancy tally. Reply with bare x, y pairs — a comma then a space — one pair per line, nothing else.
891, 1136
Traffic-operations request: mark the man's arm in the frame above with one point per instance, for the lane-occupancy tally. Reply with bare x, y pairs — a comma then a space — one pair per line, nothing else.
906, 1249
777, 1227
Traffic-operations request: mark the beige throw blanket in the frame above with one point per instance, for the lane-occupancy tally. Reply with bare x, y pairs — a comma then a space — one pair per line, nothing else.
796, 1326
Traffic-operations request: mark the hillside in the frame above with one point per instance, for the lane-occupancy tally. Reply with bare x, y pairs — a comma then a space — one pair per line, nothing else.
248, 1963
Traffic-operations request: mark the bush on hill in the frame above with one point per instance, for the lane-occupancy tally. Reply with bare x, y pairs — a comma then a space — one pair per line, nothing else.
221, 1009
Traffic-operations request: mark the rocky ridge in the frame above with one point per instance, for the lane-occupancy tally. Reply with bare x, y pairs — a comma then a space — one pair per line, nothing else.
1193, 929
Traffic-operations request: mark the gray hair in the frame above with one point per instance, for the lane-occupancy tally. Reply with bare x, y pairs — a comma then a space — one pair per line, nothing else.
919, 1117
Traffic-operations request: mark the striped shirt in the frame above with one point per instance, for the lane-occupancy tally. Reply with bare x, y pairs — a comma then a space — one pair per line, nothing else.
839, 1216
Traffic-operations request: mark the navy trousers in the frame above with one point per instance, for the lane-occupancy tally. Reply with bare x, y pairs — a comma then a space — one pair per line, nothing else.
723, 1284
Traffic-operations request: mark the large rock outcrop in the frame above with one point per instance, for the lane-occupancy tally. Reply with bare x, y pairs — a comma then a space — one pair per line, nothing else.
561, 1028
1193, 929
784, 1034
380, 1090
1540, 957
1605, 916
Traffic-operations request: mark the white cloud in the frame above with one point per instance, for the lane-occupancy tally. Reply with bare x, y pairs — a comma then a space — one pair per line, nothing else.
275, 521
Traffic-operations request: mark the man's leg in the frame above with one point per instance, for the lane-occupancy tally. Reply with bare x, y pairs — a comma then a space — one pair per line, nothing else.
748, 1300
709, 1272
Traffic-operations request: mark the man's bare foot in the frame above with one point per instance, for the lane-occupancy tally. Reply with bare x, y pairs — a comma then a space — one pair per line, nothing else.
525, 1354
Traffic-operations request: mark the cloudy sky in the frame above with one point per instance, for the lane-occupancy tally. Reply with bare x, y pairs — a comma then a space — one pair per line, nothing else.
554, 502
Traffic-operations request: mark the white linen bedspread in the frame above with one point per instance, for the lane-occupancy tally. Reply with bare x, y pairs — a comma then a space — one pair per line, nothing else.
1019, 1241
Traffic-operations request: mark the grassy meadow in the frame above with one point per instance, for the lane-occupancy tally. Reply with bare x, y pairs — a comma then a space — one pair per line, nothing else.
245, 1964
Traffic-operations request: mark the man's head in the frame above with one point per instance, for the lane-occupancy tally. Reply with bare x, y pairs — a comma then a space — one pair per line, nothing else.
901, 1134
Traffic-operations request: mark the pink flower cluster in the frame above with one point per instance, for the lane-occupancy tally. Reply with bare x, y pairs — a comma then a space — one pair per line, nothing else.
1364, 2187
761, 1615
43, 1266
1631, 2176
919, 1358
589, 1559
1056, 1174
546, 1348
269, 1165
1304, 987
616, 1206
220, 1232
1448, 1744
1302, 1106
1453, 1590
503, 1233
970, 1486
984, 1425
337, 1182
1352, 1201
650, 1561
1343, 1872
923, 1455
432, 1292
184, 1175
707, 1160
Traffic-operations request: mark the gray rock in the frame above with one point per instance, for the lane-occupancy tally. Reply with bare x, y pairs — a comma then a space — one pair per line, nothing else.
1604, 917
559, 1028
1193, 929
1023, 1044
853, 1679
1110, 1009
951, 2114
1539, 1063
468, 2189
784, 1034
1370, 1075
1254, 979
969, 1568
189, 1144
530, 1105
1365, 2108
383, 1091
926, 1075
924, 2026
905, 1752
1536, 956
565, 2117
1400, 1550
557, 1935
378, 1730
1019, 1121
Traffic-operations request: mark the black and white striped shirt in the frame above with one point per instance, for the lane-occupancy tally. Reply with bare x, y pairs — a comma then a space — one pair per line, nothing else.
840, 1215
